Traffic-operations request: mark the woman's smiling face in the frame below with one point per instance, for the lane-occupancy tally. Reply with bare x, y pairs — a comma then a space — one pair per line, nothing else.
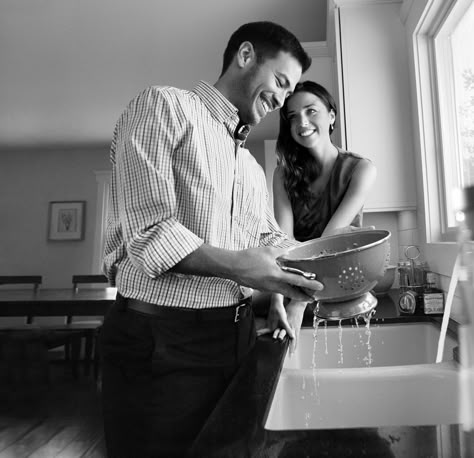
309, 119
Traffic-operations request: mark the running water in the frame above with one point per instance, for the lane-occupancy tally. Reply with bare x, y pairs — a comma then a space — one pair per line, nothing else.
447, 308
326, 336
340, 347
316, 322
368, 359
368, 333
314, 391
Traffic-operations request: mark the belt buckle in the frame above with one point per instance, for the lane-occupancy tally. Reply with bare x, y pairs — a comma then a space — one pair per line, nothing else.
237, 313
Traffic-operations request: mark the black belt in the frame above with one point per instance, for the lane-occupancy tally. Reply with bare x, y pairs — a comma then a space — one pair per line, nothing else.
235, 312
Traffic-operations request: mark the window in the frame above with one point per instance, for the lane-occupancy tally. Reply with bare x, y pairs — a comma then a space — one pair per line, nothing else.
103, 178
455, 74
440, 37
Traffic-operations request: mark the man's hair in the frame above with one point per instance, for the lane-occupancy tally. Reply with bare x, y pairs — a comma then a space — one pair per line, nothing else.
268, 39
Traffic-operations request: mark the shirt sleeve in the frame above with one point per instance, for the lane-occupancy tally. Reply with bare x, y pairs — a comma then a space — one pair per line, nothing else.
146, 137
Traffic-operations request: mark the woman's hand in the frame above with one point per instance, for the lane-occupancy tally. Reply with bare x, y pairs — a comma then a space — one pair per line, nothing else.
286, 320
277, 317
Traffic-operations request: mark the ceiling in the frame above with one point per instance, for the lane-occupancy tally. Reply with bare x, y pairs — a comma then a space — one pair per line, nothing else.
69, 67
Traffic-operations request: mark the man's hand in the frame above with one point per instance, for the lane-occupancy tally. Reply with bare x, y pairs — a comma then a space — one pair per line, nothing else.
258, 269
255, 267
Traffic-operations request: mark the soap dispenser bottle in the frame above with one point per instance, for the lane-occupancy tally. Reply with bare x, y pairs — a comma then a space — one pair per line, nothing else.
433, 297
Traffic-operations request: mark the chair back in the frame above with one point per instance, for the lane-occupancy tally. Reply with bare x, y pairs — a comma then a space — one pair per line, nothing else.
34, 280
87, 279
78, 280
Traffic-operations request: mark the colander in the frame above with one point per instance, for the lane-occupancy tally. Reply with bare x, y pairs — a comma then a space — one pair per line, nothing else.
349, 265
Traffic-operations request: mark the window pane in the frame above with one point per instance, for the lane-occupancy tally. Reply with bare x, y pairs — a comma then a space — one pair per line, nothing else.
463, 63
455, 73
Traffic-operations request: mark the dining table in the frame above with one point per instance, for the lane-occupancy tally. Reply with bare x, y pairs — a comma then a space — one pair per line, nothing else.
56, 302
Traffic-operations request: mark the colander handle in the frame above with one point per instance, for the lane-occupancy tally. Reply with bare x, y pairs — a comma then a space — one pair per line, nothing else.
292, 270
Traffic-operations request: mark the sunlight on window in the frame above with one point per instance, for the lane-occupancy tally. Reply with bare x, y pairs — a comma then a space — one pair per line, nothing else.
455, 75
463, 63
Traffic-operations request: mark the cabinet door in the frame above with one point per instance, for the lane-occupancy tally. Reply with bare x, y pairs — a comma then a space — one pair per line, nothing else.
374, 98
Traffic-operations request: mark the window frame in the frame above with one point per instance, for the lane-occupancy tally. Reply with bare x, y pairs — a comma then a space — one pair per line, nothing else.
448, 111
424, 20
103, 178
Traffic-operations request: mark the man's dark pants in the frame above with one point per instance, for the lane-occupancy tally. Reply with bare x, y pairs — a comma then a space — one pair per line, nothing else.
162, 377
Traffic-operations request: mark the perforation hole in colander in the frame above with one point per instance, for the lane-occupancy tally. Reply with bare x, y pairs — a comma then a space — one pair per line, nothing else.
351, 278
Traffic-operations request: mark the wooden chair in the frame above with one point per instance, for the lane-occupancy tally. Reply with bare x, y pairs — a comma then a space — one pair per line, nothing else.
91, 349
33, 280
29, 332
88, 279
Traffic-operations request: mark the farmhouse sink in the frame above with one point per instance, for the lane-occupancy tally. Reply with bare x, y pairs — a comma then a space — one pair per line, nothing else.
376, 346
362, 378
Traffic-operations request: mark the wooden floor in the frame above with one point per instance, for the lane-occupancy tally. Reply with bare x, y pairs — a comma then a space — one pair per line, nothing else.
51, 417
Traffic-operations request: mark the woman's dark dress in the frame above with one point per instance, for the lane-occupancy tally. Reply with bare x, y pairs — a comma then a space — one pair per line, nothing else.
311, 216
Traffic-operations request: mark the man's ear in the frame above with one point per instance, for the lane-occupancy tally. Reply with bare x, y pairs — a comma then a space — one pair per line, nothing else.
245, 54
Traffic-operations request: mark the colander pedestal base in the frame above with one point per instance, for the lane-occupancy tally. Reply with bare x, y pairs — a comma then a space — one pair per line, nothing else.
332, 311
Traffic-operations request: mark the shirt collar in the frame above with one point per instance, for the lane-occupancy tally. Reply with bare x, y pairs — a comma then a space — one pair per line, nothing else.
222, 110
241, 132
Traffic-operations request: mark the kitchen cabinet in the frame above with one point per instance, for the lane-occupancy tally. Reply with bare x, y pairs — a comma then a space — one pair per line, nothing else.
367, 39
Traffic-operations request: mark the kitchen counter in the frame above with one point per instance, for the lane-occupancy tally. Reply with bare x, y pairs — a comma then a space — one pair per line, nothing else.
235, 428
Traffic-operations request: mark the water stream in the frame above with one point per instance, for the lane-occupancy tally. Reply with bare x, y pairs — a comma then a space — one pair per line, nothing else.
314, 393
366, 317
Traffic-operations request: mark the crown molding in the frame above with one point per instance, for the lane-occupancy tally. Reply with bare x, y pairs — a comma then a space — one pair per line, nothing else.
339, 3
405, 10
316, 48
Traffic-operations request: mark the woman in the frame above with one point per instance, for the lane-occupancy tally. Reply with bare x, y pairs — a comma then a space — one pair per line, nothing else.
318, 188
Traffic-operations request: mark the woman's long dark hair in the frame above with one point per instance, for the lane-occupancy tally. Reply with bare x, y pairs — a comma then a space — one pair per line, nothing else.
300, 169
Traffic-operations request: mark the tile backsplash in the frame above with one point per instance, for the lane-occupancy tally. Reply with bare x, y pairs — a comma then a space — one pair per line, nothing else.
403, 227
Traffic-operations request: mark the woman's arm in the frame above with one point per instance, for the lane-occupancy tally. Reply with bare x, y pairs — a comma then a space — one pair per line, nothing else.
281, 204
359, 187
287, 320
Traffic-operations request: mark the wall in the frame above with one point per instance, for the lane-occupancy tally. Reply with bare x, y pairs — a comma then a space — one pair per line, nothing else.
30, 179
389, 222
69, 67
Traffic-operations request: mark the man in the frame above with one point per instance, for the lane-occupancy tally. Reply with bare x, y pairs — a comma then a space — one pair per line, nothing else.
189, 235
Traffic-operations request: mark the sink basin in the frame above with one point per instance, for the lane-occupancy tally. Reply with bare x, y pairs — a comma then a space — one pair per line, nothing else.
359, 377
369, 397
376, 346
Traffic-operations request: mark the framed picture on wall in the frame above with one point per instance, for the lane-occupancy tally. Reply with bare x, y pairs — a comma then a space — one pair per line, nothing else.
66, 220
